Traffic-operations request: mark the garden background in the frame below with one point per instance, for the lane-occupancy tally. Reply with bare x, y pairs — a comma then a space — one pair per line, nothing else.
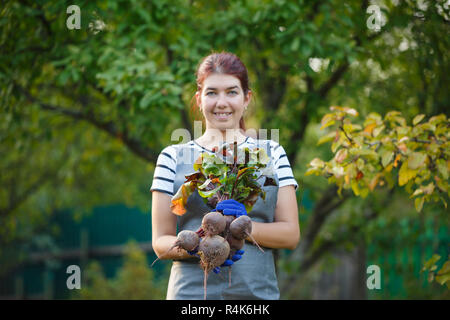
85, 111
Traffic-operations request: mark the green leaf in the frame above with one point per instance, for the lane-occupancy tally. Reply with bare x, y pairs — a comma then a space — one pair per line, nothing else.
295, 44
443, 279
317, 163
386, 157
326, 138
418, 203
355, 187
417, 192
442, 168
416, 160
207, 194
431, 262
405, 174
418, 118
377, 130
328, 120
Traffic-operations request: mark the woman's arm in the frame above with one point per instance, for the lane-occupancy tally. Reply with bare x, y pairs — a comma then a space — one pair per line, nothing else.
164, 228
284, 232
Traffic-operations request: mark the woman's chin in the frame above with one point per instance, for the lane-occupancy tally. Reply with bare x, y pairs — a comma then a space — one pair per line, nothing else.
222, 125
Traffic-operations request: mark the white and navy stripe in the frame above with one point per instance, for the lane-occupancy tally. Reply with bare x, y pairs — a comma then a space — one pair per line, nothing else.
165, 170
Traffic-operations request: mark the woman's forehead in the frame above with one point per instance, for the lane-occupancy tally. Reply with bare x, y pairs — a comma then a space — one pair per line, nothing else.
221, 82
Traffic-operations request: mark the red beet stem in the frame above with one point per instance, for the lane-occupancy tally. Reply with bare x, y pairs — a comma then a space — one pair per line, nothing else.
205, 279
200, 232
254, 241
174, 245
229, 277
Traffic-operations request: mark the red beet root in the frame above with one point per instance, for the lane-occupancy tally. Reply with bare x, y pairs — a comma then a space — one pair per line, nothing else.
213, 223
213, 251
241, 228
235, 244
186, 239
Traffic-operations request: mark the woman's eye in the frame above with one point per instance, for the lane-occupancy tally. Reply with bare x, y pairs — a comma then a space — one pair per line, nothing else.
233, 92
209, 93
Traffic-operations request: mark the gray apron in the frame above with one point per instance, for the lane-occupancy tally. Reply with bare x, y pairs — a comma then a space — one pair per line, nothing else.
252, 277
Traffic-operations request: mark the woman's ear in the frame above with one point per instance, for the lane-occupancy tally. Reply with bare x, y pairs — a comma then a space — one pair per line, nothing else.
248, 98
198, 99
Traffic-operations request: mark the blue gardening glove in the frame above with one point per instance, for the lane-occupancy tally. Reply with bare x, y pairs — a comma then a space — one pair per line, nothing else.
231, 207
194, 252
237, 256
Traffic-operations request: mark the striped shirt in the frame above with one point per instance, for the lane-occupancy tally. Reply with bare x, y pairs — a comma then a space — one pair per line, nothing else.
165, 171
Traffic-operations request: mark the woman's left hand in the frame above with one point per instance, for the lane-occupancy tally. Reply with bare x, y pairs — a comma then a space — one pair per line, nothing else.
231, 207
229, 262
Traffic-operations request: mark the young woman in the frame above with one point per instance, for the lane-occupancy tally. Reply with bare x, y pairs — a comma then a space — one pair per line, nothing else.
222, 96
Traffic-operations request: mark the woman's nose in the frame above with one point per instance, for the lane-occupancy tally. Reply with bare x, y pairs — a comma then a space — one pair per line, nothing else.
221, 100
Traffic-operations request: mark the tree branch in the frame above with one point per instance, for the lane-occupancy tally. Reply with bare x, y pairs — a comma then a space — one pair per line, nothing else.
292, 282
324, 247
134, 145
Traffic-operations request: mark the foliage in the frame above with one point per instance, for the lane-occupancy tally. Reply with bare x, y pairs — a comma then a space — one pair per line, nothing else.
442, 276
86, 112
135, 280
229, 173
365, 155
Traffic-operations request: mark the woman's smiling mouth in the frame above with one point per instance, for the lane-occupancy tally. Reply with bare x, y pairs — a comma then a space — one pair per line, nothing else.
222, 115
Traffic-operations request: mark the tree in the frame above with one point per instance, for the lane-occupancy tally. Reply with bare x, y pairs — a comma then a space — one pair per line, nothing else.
365, 156
87, 111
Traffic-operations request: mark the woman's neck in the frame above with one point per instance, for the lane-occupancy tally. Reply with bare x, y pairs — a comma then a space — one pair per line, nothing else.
216, 137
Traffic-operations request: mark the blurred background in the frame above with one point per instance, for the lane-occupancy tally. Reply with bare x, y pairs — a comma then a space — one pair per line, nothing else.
91, 94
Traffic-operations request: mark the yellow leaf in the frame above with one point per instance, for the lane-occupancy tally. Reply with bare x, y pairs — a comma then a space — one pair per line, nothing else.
386, 157
177, 207
370, 128
351, 111
402, 147
405, 174
338, 171
341, 155
364, 193
317, 163
179, 200
313, 170
355, 187
419, 203
377, 131
327, 120
347, 110
397, 158
416, 192
442, 184
374, 181
429, 188
326, 138
347, 179
442, 168
418, 118
416, 160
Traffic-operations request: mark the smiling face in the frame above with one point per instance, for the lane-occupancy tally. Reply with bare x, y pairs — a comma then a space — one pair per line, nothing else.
222, 101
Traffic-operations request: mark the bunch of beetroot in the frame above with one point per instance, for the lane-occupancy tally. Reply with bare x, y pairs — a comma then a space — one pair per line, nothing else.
217, 240
230, 173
